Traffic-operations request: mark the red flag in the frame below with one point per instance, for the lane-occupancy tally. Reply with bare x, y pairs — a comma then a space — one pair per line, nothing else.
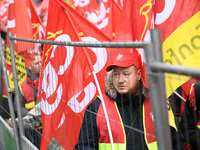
106, 17
111, 13
179, 24
187, 85
42, 10
3, 12
120, 2
135, 21
44, 5
82, 6
23, 22
19, 24
114, 17
67, 85
38, 28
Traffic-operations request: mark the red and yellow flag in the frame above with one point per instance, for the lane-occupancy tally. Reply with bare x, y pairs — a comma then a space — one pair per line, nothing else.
180, 29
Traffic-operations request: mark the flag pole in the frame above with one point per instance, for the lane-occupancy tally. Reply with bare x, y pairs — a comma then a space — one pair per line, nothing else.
10, 102
97, 83
101, 96
104, 108
183, 99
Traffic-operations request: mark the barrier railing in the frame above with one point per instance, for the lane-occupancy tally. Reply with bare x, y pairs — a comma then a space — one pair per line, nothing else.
153, 55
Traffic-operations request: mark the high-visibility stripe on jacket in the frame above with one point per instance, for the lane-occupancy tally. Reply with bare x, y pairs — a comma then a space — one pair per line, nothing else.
148, 124
117, 128
198, 125
30, 105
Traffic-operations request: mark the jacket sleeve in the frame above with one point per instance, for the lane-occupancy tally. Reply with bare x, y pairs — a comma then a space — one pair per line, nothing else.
24, 111
189, 125
175, 103
89, 134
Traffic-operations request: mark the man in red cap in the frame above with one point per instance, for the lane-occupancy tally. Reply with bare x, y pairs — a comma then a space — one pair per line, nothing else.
129, 111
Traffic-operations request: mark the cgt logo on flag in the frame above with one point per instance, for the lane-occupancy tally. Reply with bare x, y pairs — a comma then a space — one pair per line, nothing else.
55, 100
50, 87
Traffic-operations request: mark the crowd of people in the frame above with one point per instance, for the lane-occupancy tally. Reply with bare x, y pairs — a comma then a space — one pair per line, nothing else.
28, 100
27, 96
129, 109
126, 99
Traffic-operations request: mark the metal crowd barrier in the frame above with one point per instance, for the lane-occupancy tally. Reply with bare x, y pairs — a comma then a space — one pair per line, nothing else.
153, 55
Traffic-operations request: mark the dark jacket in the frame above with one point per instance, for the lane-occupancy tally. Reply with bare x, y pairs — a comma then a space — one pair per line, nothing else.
4, 105
190, 119
130, 109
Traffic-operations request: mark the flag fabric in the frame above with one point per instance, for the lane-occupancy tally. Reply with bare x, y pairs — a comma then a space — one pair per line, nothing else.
111, 13
186, 87
119, 2
82, 6
37, 25
3, 12
105, 17
43, 5
179, 25
113, 18
42, 10
66, 82
23, 22
19, 24
135, 21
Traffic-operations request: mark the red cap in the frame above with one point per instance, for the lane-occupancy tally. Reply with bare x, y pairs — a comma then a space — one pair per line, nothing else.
125, 60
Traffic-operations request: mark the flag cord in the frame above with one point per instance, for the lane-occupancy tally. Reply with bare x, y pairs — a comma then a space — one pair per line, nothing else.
104, 108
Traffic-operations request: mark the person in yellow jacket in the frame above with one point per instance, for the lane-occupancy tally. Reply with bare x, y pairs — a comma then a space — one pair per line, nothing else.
129, 111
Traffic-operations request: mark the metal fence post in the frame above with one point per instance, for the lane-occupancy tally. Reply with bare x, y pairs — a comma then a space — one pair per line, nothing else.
10, 102
21, 129
153, 52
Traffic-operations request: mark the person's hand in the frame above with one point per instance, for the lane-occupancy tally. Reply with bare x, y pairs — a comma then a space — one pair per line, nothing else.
10, 122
